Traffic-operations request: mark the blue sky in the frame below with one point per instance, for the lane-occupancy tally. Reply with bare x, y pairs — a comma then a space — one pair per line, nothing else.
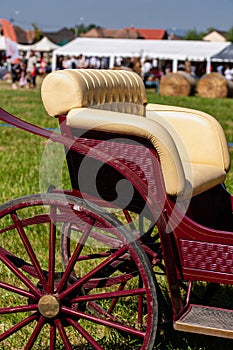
51, 15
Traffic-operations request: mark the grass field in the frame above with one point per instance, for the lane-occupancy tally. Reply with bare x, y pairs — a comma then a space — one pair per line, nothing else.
21, 155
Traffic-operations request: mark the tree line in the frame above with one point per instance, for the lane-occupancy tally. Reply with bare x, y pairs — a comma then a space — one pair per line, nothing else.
193, 34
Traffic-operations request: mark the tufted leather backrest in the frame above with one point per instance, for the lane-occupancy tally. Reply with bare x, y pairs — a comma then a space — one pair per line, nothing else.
116, 90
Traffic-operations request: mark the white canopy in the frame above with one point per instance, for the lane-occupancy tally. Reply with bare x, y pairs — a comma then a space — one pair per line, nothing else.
24, 47
2, 43
226, 55
162, 49
44, 45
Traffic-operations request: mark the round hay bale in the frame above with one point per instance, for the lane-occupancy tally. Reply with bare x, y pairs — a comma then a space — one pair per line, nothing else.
176, 84
214, 85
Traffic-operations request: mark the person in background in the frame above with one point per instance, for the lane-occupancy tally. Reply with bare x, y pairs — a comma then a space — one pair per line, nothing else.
73, 62
23, 78
219, 69
32, 77
66, 62
43, 65
228, 72
81, 61
30, 62
145, 70
8, 68
153, 79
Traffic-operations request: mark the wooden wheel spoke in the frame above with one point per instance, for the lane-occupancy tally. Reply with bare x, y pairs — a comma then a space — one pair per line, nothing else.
9, 261
35, 333
117, 296
75, 255
52, 336
18, 326
105, 322
108, 281
16, 309
93, 272
52, 248
29, 249
37, 219
17, 290
63, 334
84, 333
109, 295
129, 220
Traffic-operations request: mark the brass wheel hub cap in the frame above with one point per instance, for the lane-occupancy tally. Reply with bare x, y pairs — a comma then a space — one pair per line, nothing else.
49, 306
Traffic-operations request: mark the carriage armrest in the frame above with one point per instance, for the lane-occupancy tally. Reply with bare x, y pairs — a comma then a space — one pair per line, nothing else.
132, 125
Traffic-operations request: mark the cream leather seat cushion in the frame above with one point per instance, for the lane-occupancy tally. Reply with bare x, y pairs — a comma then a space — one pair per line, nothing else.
201, 133
200, 141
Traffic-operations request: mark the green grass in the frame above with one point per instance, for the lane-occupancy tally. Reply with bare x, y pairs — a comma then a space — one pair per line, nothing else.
21, 155
21, 152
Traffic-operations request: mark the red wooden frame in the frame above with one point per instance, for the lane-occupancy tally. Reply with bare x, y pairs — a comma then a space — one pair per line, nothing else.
191, 250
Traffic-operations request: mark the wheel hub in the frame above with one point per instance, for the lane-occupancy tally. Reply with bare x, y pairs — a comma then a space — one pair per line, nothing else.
49, 306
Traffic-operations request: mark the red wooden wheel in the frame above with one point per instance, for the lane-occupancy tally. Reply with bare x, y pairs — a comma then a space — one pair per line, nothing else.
99, 294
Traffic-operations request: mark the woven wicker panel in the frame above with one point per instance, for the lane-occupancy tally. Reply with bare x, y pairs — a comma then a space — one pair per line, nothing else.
206, 256
137, 157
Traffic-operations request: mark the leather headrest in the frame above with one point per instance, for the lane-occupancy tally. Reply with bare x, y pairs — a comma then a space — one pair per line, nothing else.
115, 90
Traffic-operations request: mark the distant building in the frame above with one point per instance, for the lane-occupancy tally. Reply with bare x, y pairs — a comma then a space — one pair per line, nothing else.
127, 33
24, 36
61, 37
150, 34
215, 35
65, 35
173, 36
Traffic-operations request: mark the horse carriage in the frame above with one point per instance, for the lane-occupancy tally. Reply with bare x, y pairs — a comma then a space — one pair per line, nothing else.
147, 199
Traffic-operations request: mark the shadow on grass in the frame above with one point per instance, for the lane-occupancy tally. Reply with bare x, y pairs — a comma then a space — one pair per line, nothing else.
169, 339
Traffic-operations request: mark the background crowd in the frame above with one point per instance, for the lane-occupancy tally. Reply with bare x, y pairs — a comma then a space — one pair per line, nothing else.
151, 70
23, 72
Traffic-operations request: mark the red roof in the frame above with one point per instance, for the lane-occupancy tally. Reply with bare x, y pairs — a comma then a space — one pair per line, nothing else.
154, 34
127, 33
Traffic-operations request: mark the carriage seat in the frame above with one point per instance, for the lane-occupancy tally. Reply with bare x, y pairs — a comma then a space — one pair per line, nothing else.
200, 140
191, 145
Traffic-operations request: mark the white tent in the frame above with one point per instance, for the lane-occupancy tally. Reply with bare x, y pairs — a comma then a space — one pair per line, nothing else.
44, 45
24, 47
2, 43
174, 50
20, 47
226, 55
